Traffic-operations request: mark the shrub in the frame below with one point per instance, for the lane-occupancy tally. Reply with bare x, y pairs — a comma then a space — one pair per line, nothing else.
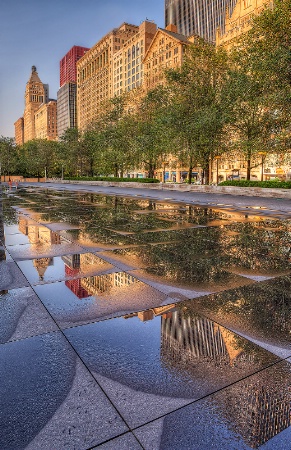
261, 184
136, 180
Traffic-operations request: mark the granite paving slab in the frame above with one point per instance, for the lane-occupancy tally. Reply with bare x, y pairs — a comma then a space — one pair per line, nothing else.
158, 360
43, 250
252, 413
49, 400
125, 442
11, 276
22, 315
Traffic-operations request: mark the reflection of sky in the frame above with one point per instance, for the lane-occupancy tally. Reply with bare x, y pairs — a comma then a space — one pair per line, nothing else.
62, 299
54, 271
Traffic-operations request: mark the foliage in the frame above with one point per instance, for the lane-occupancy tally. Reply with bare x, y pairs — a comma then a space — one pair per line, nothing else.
152, 138
198, 110
8, 156
261, 184
115, 179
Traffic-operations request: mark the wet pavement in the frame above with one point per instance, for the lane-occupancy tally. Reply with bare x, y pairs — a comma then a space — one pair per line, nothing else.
133, 322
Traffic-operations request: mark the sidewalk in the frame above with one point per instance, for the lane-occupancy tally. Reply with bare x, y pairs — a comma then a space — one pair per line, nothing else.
143, 319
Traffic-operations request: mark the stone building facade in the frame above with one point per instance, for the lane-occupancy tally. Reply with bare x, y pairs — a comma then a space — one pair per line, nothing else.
46, 121
95, 74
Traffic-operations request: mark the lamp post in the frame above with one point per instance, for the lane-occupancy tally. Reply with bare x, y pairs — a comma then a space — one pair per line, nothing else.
263, 154
62, 172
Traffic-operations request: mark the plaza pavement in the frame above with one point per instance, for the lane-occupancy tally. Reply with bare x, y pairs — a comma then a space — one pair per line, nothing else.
110, 371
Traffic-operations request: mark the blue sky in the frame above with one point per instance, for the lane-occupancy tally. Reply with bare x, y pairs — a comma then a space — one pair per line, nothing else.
40, 33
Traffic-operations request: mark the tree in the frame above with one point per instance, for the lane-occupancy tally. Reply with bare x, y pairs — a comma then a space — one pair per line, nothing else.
198, 108
117, 136
71, 151
259, 86
151, 141
7, 156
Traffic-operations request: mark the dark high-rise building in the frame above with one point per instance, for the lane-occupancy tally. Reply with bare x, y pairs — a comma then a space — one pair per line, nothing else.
68, 70
66, 107
201, 17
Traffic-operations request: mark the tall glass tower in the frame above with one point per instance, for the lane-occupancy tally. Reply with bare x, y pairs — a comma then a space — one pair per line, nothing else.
201, 17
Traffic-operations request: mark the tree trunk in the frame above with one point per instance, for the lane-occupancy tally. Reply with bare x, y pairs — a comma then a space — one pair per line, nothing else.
151, 171
248, 169
116, 170
190, 174
206, 174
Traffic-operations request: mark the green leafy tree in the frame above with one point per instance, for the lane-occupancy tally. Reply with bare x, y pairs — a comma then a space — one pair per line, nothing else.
8, 156
259, 86
152, 137
199, 110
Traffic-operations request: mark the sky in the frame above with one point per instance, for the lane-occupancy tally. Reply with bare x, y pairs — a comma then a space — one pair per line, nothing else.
40, 32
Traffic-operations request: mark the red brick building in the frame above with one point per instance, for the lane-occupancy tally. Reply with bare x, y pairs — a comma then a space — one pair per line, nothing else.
68, 71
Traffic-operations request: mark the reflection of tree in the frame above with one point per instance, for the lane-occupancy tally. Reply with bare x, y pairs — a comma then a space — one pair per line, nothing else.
260, 248
264, 307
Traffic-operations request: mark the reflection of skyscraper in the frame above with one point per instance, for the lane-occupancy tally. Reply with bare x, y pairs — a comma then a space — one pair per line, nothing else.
259, 410
72, 269
201, 17
41, 264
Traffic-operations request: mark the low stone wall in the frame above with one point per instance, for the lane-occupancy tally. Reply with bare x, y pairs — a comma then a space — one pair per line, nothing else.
233, 190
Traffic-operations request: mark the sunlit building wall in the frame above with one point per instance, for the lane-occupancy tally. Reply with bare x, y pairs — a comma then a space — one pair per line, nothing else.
95, 71
46, 121
239, 21
36, 93
128, 62
19, 131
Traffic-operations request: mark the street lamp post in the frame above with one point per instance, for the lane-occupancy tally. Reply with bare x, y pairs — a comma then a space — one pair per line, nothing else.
62, 172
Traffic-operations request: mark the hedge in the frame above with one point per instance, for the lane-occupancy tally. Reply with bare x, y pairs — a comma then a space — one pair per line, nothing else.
261, 184
115, 179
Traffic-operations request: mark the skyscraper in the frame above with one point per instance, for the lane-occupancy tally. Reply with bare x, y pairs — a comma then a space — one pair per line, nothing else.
36, 93
67, 94
201, 17
68, 68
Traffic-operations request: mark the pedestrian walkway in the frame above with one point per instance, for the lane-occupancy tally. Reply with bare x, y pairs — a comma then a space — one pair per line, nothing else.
142, 319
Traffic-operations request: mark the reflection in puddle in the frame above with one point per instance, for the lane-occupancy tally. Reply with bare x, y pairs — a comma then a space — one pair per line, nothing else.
102, 256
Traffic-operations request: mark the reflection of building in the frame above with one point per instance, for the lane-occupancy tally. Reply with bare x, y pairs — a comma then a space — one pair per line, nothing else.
188, 338
37, 234
100, 284
261, 409
200, 17
72, 269
41, 264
